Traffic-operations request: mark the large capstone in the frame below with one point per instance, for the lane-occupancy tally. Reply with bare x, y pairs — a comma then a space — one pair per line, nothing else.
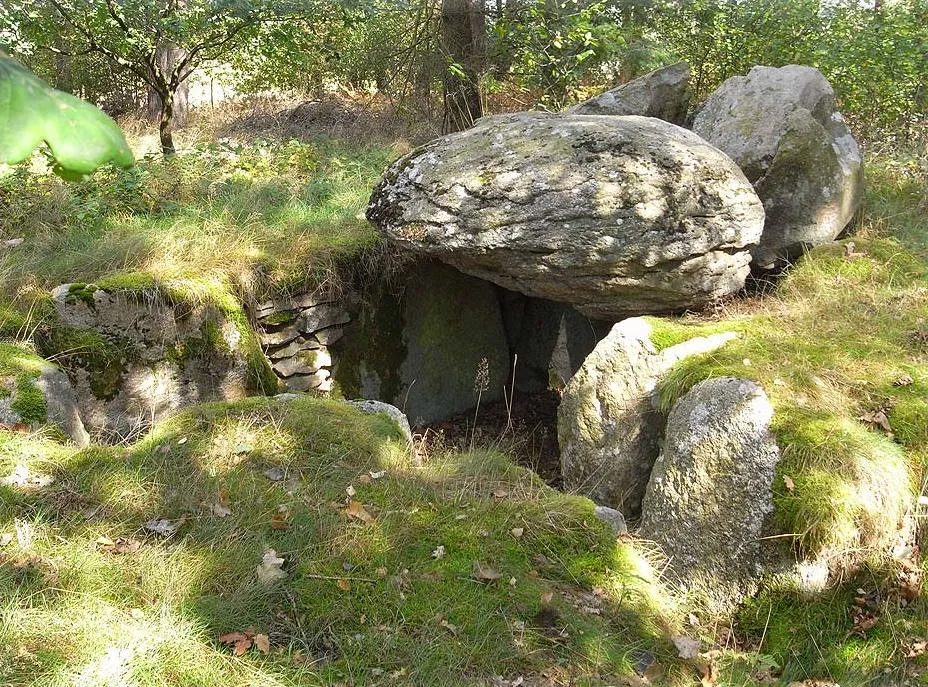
616, 215
781, 127
663, 93
710, 498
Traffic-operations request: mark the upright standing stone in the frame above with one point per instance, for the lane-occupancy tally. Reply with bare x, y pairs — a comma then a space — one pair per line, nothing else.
710, 497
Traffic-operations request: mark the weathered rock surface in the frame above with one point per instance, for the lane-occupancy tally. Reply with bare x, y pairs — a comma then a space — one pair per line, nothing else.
781, 127
709, 499
422, 347
35, 393
616, 215
608, 427
373, 407
61, 405
133, 357
663, 93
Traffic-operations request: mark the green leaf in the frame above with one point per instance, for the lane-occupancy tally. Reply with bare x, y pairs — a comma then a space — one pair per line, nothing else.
80, 136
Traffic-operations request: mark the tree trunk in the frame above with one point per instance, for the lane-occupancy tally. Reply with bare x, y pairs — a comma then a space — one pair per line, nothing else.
166, 56
166, 124
464, 40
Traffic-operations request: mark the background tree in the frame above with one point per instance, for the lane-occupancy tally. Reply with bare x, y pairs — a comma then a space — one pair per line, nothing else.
160, 42
464, 41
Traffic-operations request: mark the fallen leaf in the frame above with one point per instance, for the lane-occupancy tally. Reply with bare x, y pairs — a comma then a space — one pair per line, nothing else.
500, 493
163, 526
546, 598
485, 573
364, 479
344, 585
381, 572
356, 510
517, 532
453, 629
904, 380
275, 474
182, 441
789, 484
877, 418
121, 545
239, 641
269, 571
262, 643
439, 552
687, 647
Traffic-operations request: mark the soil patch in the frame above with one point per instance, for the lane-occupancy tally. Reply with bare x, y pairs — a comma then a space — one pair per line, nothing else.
527, 431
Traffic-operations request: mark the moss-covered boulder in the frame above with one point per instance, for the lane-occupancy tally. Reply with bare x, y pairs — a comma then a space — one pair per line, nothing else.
34, 393
136, 350
781, 126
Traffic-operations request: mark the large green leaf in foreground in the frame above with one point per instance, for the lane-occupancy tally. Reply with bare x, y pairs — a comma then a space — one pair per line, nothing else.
80, 136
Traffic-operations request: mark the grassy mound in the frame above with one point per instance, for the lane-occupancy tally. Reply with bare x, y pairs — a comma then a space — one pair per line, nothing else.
444, 572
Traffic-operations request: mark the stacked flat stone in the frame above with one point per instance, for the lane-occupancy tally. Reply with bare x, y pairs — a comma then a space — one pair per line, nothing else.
296, 332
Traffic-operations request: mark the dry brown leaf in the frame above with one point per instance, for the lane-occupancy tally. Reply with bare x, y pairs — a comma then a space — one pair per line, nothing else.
239, 641
485, 573
546, 598
356, 510
262, 643
517, 532
877, 418
789, 484
344, 585
500, 493
365, 479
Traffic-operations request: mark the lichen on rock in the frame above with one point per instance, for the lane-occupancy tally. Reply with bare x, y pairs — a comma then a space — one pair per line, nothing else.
616, 215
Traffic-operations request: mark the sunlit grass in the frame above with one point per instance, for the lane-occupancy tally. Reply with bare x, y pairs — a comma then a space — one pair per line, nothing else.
360, 601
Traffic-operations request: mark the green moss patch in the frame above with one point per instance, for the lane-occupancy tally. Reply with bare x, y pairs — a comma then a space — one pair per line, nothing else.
22, 367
